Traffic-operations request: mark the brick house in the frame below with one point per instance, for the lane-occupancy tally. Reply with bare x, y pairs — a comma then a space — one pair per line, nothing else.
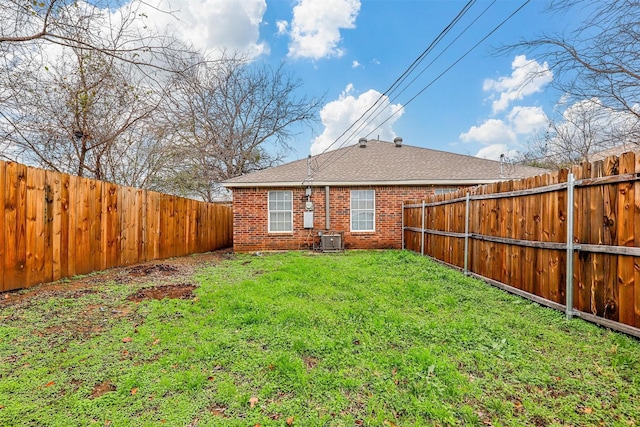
355, 192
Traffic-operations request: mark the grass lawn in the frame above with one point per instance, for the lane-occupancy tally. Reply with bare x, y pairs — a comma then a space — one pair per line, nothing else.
356, 339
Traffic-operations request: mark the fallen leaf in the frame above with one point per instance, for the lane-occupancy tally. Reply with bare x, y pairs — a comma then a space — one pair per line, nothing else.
218, 412
50, 383
359, 422
156, 342
389, 423
587, 410
134, 390
253, 401
127, 339
256, 425
210, 378
290, 421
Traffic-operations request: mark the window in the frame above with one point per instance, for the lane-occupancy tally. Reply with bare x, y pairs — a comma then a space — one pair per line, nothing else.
445, 190
363, 205
280, 211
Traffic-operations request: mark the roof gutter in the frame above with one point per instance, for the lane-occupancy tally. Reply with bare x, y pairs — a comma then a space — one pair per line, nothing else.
447, 182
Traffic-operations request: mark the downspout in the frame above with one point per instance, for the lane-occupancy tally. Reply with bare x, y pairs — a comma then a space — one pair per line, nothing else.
327, 220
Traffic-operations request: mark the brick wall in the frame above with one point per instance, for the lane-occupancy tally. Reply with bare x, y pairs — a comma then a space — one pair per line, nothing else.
250, 218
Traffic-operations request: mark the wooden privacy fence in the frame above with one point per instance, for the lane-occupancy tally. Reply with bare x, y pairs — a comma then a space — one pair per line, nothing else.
54, 225
514, 235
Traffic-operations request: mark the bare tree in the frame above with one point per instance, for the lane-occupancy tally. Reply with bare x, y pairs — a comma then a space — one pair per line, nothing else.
599, 58
115, 29
232, 117
74, 115
577, 133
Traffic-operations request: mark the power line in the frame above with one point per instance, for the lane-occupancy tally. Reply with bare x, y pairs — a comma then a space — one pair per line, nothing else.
460, 59
432, 81
402, 77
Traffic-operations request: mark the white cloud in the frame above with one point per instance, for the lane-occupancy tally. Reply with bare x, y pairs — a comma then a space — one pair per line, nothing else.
526, 120
502, 136
355, 64
490, 132
316, 25
283, 27
337, 116
494, 151
528, 77
214, 24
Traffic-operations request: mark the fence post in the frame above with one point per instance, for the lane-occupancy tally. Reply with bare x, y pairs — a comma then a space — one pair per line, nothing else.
466, 236
570, 248
422, 231
402, 230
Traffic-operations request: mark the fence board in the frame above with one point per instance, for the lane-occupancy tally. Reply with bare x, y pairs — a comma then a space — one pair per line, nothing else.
55, 217
610, 302
15, 222
543, 233
73, 225
48, 230
596, 234
35, 227
111, 226
2, 227
551, 223
625, 234
516, 254
635, 211
561, 236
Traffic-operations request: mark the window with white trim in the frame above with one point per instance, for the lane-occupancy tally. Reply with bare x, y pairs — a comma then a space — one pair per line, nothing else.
445, 190
280, 211
363, 208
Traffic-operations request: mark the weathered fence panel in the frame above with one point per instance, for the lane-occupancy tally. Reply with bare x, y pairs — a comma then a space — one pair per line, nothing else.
54, 225
519, 238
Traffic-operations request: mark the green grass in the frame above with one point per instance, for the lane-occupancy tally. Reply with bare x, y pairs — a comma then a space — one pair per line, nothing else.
361, 338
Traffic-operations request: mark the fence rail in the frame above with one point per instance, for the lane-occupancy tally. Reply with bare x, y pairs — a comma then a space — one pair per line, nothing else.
514, 233
54, 225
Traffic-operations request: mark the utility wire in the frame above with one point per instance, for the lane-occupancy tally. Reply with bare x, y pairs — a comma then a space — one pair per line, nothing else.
459, 59
369, 118
404, 75
436, 78
434, 60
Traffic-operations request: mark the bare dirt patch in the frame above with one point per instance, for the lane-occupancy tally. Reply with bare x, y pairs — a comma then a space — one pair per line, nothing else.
95, 307
177, 291
102, 389
157, 273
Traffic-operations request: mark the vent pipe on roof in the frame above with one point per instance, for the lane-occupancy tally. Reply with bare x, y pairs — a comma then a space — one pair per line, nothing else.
363, 142
398, 141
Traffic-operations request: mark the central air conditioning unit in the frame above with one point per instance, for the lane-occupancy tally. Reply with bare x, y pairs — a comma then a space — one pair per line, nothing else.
331, 242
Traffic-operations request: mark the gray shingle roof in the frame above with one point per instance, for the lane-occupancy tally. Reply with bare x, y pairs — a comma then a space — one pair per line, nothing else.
382, 163
614, 151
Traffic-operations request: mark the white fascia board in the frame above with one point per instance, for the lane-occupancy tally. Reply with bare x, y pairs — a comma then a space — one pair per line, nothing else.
434, 182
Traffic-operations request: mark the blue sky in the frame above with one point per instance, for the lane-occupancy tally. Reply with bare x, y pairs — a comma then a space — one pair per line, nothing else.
351, 51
